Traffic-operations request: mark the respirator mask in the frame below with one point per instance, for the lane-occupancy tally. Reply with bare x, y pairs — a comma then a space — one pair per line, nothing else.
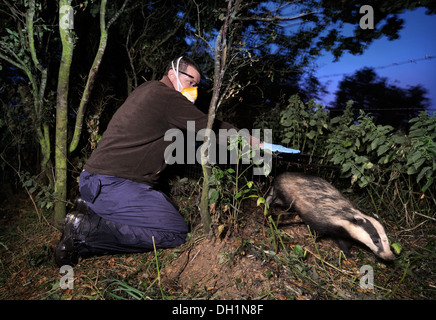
190, 93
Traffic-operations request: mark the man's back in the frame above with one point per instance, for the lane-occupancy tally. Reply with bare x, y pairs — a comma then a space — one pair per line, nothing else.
133, 145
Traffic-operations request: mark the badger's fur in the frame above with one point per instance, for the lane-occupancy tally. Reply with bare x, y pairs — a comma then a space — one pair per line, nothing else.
329, 213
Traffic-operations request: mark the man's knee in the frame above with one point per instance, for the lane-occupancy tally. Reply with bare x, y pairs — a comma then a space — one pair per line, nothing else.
164, 240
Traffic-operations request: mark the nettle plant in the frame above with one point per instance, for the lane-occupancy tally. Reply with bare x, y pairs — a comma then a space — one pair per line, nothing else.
365, 152
421, 159
304, 125
357, 147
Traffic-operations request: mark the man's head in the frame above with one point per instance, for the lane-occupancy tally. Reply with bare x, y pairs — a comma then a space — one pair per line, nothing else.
183, 73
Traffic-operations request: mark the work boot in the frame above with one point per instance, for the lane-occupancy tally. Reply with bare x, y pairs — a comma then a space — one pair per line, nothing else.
80, 205
66, 250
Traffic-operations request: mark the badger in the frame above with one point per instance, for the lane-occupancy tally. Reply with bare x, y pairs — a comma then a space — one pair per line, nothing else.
324, 209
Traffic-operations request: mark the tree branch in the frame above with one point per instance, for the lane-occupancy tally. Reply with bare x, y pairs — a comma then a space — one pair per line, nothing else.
93, 71
30, 35
117, 14
275, 18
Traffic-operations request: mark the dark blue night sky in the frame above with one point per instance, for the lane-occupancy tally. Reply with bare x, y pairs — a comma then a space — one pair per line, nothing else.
417, 41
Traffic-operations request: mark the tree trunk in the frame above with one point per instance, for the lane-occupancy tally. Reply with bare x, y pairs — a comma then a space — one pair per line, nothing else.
65, 23
220, 60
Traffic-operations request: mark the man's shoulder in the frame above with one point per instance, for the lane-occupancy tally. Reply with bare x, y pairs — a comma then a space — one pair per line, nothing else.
153, 87
150, 84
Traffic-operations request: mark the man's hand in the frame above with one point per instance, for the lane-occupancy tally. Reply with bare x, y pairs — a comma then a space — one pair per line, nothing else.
278, 148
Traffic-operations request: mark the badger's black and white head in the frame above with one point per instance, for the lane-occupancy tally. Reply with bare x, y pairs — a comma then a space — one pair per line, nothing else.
370, 232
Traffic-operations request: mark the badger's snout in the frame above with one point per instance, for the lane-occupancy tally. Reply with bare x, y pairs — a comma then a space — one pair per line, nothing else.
388, 255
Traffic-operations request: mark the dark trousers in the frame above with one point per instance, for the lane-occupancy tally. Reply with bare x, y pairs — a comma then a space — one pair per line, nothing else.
125, 216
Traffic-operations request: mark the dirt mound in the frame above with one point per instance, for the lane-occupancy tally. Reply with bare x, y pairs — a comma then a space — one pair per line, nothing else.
241, 266
224, 269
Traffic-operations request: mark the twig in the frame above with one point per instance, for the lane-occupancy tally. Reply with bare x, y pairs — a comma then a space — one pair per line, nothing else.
195, 255
329, 264
423, 215
157, 267
416, 227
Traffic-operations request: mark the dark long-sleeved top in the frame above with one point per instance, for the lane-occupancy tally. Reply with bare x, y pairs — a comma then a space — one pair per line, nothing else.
133, 146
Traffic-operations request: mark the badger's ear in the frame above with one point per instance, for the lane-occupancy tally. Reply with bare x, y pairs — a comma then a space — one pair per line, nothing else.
358, 220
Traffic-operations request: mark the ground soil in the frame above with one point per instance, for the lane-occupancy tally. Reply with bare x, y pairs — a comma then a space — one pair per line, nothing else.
254, 261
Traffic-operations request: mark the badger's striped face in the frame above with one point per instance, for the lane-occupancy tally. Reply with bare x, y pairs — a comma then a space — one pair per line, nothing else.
371, 233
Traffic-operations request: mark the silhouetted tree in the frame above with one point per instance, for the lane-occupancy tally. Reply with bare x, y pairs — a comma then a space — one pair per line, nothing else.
388, 103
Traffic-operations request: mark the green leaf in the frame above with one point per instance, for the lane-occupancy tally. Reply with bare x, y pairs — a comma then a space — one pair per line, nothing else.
428, 184
419, 163
363, 182
33, 189
347, 144
411, 170
374, 143
311, 135
346, 166
213, 195
298, 251
397, 247
415, 156
14, 33
260, 200
27, 183
382, 149
369, 165
398, 139
361, 159
417, 133
357, 143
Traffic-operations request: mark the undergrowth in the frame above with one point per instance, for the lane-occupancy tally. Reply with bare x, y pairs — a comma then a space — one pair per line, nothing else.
264, 259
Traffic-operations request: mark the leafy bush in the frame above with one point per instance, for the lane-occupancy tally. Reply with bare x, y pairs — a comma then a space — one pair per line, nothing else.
365, 152
421, 160
305, 126
358, 147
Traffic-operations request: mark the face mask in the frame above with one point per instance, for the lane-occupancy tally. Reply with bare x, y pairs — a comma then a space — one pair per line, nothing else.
190, 93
